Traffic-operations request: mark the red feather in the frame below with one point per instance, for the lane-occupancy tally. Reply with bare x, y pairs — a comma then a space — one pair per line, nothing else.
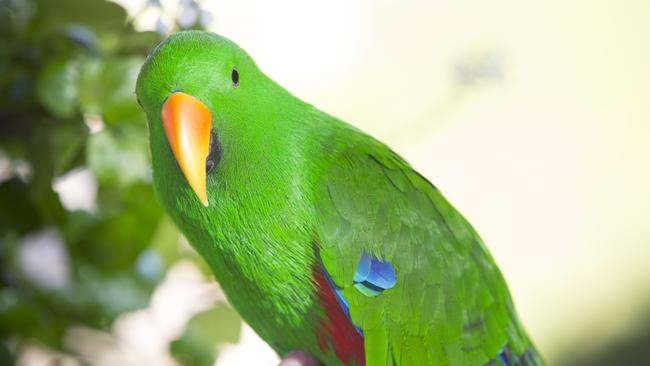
337, 327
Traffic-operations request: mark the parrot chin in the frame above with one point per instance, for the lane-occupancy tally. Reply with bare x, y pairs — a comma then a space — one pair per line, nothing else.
187, 123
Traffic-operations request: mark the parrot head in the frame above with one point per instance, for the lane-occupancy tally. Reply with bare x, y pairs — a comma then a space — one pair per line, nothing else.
201, 94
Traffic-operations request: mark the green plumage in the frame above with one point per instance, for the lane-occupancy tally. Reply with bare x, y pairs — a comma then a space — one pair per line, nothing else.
294, 182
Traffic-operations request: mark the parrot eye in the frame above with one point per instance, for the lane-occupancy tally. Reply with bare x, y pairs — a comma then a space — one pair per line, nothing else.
234, 75
214, 155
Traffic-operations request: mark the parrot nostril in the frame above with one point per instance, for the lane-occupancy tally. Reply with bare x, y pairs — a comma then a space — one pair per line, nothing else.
214, 155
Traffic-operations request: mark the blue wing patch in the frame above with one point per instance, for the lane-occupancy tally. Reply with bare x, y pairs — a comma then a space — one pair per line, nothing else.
373, 275
338, 292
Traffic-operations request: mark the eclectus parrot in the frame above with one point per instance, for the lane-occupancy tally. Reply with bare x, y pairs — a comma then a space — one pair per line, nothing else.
322, 238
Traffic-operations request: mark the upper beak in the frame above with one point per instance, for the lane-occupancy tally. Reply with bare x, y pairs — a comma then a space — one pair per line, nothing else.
187, 123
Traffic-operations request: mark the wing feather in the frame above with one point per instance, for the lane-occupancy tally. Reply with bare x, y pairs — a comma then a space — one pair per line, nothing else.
449, 303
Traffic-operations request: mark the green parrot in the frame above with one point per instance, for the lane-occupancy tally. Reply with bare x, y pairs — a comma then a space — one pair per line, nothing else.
322, 238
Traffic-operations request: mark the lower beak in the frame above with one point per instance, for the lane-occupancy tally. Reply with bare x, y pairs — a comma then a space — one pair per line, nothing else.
187, 123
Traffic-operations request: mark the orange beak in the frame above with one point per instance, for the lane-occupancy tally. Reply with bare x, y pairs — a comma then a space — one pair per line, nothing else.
187, 123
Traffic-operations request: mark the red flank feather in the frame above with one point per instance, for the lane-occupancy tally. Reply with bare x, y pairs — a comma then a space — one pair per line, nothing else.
337, 327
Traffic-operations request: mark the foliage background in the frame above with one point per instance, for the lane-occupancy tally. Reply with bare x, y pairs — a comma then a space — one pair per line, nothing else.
83, 239
533, 119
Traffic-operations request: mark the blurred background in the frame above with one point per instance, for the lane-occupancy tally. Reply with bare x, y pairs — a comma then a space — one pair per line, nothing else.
532, 117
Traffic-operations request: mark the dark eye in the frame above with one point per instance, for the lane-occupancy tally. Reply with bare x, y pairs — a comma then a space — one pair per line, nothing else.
234, 75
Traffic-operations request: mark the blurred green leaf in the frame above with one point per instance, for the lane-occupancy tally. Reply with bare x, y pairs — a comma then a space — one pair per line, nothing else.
21, 310
68, 140
115, 99
99, 15
126, 228
58, 87
138, 42
15, 314
165, 241
198, 345
15, 15
43, 151
17, 212
100, 297
118, 155
6, 358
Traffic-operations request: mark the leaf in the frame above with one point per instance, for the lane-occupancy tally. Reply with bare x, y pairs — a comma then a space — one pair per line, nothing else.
108, 89
17, 212
67, 141
99, 15
57, 87
99, 297
139, 42
6, 358
118, 155
198, 345
165, 241
128, 223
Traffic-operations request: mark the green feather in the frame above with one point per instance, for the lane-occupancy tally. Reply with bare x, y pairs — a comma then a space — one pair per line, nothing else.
291, 176
450, 303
